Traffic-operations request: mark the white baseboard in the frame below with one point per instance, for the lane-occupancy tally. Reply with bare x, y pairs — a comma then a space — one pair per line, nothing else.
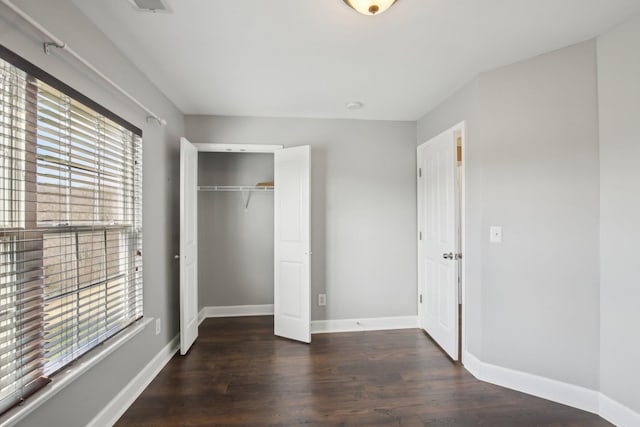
119, 404
556, 391
472, 364
236, 311
617, 413
371, 324
317, 326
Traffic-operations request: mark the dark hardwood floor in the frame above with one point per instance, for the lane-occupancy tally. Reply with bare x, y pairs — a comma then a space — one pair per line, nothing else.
239, 374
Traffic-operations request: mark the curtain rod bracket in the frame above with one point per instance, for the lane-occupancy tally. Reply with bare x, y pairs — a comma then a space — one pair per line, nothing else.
48, 45
158, 120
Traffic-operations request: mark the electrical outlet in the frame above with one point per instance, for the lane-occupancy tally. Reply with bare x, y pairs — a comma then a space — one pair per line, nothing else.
158, 326
322, 300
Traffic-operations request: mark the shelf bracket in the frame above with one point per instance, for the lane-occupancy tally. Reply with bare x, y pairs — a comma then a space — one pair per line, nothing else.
246, 198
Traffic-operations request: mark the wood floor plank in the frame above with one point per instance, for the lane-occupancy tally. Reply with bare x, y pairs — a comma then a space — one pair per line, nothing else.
239, 374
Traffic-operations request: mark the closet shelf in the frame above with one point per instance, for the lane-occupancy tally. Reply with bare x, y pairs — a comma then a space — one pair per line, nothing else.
242, 188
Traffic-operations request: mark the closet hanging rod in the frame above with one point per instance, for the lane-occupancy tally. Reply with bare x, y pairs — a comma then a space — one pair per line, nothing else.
57, 43
235, 188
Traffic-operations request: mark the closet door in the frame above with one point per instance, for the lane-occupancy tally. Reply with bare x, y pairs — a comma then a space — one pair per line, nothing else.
188, 245
292, 294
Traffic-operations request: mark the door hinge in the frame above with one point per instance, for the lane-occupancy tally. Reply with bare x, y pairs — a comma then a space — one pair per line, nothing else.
419, 172
420, 298
420, 235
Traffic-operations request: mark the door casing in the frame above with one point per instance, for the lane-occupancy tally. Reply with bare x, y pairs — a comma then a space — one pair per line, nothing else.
244, 148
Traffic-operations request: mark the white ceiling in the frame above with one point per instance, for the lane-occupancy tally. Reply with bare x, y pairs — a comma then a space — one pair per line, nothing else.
307, 58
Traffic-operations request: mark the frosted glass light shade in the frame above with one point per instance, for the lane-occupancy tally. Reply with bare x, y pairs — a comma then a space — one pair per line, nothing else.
370, 7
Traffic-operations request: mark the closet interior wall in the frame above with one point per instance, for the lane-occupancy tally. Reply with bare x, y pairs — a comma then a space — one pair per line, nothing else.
235, 244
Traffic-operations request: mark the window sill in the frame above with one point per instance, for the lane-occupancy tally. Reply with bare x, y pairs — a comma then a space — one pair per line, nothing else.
70, 374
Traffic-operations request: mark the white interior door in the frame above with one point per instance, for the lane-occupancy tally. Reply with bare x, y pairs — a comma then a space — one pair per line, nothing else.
438, 240
188, 245
292, 293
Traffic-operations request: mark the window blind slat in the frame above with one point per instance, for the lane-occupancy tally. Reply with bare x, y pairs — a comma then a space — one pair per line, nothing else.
19, 328
111, 136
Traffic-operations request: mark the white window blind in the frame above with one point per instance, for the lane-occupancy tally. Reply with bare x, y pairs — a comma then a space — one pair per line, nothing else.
70, 228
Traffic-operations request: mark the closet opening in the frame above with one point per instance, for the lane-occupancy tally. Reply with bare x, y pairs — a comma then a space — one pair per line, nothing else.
235, 233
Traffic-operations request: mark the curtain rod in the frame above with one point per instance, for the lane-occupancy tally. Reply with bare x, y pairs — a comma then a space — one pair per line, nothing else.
57, 43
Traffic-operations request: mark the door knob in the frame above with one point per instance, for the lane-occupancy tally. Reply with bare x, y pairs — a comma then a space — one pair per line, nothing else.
176, 256
448, 256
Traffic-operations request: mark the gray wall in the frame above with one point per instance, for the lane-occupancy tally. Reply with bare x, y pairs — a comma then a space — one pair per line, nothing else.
532, 167
619, 97
363, 206
235, 245
99, 385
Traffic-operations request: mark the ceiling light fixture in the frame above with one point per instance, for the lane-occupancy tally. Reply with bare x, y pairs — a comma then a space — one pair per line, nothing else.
370, 7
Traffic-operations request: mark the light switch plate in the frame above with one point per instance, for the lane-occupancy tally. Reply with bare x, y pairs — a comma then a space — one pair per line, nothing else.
495, 234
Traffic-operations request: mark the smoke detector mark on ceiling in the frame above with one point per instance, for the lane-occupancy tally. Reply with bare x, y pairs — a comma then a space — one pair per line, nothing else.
151, 6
